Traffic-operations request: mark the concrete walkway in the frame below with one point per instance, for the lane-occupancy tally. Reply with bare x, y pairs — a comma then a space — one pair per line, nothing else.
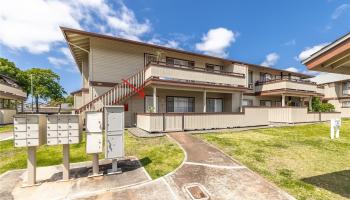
218, 176
6, 136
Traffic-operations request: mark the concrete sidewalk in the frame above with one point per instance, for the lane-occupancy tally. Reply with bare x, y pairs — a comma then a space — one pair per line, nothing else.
6, 136
218, 176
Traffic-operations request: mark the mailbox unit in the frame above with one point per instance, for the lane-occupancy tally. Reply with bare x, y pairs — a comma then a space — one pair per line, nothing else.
29, 130
94, 137
114, 126
63, 129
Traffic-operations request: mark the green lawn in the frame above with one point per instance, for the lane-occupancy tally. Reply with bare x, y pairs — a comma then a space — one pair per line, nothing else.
158, 155
6, 128
302, 160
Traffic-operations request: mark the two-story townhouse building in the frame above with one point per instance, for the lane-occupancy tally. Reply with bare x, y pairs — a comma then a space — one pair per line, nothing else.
119, 71
11, 94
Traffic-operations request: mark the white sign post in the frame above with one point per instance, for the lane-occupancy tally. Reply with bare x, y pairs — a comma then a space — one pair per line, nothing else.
335, 127
114, 129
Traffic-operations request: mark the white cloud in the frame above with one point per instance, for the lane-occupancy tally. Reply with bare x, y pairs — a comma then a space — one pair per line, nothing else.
167, 43
34, 25
340, 10
305, 71
290, 43
216, 41
271, 59
292, 69
57, 62
308, 51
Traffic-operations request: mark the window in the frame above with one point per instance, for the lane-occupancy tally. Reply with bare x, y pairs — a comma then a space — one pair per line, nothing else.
179, 62
266, 103
149, 104
247, 102
346, 104
150, 58
250, 79
180, 104
265, 77
213, 68
345, 88
214, 105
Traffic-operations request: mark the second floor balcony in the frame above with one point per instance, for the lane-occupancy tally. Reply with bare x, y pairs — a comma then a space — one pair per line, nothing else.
298, 85
166, 71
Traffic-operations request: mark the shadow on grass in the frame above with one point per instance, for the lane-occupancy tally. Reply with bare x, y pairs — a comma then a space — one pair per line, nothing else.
145, 161
336, 182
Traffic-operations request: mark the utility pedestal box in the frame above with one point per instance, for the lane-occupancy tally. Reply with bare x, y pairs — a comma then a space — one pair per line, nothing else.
114, 128
94, 138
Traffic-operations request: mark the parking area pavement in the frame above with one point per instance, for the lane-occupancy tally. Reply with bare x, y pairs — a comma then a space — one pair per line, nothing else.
217, 175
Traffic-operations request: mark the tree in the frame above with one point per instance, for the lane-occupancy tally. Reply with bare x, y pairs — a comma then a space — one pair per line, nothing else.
9, 69
58, 101
318, 106
45, 85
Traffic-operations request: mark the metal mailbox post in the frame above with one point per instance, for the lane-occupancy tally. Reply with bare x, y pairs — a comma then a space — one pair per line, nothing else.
114, 128
94, 138
65, 130
30, 131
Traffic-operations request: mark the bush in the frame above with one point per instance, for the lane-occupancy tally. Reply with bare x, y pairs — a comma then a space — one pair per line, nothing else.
318, 106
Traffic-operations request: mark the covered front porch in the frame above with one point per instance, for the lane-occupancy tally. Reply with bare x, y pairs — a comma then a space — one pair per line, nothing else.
285, 98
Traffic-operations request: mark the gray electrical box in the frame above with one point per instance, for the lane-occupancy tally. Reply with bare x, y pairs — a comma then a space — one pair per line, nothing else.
63, 129
114, 128
94, 137
29, 130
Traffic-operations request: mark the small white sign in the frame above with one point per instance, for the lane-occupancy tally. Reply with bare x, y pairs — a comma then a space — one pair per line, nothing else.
335, 128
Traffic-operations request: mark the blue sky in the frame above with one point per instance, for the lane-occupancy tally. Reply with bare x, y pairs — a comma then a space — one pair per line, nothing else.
271, 32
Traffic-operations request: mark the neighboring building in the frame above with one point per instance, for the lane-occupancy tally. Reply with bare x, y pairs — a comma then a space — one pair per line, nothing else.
336, 91
176, 81
334, 58
10, 96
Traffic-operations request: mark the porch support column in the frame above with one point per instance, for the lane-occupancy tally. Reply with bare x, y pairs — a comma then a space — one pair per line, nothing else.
310, 103
241, 102
283, 100
205, 101
155, 100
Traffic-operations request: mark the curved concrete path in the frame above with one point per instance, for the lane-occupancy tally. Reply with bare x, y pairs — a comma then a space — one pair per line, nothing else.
220, 177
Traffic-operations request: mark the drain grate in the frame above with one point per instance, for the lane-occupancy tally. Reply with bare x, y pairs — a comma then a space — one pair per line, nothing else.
196, 191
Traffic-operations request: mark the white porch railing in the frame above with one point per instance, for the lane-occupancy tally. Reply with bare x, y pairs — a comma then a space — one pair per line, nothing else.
159, 122
252, 116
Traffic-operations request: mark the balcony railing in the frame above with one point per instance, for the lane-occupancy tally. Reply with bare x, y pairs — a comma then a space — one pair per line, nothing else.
285, 79
286, 83
176, 72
